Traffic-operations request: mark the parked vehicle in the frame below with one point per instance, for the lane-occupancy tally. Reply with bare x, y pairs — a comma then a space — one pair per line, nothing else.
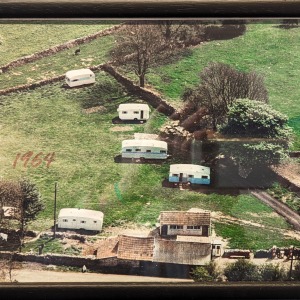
134, 111
80, 77
189, 173
144, 149
77, 218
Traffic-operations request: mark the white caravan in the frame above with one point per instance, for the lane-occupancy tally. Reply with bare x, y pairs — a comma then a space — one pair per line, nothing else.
194, 174
144, 149
80, 77
134, 111
77, 218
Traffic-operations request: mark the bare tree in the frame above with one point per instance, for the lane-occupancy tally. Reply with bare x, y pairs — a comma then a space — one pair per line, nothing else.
221, 85
139, 45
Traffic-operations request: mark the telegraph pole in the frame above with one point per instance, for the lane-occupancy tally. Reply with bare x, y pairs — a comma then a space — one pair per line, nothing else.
291, 266
54, 216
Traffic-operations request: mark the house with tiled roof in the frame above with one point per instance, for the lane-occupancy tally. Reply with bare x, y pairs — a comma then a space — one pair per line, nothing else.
185, 223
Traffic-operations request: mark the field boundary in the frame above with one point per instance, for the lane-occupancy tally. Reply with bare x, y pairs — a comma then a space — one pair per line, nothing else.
58, 48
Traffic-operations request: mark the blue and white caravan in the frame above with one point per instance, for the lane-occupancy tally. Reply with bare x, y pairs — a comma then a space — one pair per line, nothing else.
134, 111
144, 149
188, 173
80, 77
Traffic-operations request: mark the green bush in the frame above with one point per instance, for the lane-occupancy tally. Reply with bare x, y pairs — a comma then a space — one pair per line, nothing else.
242, 270
209, 272
271, 272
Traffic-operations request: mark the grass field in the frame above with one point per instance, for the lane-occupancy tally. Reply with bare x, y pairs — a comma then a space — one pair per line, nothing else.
264, 48
52, 119
24, 37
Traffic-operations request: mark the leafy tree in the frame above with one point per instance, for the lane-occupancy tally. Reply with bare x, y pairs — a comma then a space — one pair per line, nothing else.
31, 201
242, 270
255, 119
220, 86
264, 135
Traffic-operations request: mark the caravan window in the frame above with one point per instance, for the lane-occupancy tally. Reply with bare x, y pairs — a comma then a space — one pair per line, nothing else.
95, 222
74, 220
175, 175
190, 176
65, 220
83, 222
74, 80
163, 151
148, 151
128, 150
124, 112
136, 112
204, 177
137, 150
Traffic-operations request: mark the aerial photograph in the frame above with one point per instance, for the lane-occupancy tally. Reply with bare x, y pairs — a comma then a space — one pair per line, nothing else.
149, 150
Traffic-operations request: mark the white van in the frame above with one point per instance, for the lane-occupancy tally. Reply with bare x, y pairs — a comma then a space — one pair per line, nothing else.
80, 77
134, 111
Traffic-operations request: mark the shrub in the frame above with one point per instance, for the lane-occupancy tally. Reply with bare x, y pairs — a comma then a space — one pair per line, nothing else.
242, 270
209, 272
271, 272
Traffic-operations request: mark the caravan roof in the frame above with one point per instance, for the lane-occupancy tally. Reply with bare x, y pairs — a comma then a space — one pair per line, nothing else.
78, 212
74, 73
189, 168
147, 143
133, 106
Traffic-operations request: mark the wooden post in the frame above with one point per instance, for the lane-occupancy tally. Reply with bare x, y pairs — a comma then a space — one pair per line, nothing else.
54, 216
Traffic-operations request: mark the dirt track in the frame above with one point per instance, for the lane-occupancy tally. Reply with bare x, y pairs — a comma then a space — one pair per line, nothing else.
292, 217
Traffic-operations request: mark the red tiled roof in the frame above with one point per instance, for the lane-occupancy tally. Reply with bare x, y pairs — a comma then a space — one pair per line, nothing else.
184, 218
136, 248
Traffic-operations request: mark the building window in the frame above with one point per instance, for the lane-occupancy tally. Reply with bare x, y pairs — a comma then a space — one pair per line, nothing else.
128, 150
176, 227
65, 220
193, 227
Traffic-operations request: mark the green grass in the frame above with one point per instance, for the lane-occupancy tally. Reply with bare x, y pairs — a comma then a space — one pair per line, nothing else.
21, 38
51, 119
93, 53
253, 238
264, 48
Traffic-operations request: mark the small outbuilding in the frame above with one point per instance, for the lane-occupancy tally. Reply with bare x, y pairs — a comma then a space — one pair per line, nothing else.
80, 77
77, 218
189, 173
144, 149
134, 111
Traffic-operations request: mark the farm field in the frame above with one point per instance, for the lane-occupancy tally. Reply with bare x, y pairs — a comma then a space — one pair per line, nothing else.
264, 48
21, 38
54, 119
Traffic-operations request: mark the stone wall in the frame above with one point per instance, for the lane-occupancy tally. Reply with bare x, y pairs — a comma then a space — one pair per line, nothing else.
58, 48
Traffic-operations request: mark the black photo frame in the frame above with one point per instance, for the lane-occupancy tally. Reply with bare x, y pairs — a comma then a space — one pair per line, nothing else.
146, 9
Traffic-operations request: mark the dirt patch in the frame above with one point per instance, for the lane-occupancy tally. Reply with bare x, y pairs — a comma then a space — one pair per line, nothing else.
95, 109
121, 128
290, 171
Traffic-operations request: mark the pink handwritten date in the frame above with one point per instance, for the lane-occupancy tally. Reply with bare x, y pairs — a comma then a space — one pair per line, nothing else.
34, 160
